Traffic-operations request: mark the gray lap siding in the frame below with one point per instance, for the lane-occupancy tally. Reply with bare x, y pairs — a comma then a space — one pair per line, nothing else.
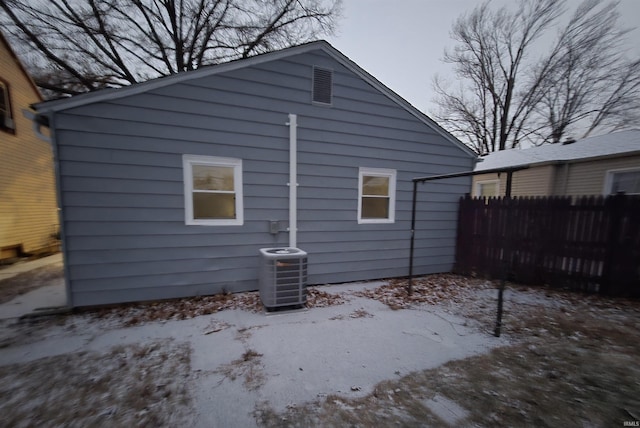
122, 188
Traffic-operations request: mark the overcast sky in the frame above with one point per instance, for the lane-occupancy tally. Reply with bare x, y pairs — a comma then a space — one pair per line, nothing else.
401, 42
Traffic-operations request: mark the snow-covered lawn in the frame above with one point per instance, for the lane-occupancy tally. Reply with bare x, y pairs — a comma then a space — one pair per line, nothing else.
363, 354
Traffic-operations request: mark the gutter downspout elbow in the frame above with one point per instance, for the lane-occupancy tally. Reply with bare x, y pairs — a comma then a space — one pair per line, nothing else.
37, 126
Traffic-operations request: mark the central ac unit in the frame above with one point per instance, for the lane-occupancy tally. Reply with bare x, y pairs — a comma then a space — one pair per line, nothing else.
283, 277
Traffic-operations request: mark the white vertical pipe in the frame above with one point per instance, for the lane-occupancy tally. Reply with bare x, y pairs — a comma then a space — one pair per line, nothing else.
293, 181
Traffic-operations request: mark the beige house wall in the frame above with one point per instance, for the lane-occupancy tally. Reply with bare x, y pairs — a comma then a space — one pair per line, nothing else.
536, 181
574, 179
28, 207
588, 178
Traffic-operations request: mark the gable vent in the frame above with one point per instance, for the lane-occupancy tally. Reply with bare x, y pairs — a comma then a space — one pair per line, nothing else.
322, 85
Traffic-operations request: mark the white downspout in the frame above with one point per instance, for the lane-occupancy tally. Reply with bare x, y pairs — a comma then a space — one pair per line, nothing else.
293, 180
37, 127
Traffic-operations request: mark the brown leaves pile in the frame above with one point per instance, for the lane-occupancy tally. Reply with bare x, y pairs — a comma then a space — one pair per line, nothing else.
432, 289
321, 299
180, 309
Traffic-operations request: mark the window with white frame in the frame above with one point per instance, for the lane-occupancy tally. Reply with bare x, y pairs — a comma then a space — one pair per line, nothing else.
623, 180
487, 188
212, 190
6, 118
376, 195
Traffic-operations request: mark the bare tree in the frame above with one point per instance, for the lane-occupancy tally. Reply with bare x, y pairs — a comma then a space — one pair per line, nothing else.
76, 46
517, 82
592, 84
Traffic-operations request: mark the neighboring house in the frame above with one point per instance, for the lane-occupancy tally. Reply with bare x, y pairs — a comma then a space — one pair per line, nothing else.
28, 207
600, 165
170, 187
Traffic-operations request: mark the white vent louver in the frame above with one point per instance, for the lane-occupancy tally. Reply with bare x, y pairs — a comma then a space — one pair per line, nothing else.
322, 85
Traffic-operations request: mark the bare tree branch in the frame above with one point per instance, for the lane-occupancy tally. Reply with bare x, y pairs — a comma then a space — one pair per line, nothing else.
582, 79
83, 45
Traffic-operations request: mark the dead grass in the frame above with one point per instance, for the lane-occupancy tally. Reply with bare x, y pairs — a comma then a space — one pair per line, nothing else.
573, 363
574, 360
360, 313
136, 385
549, 383
248, 367
244, 333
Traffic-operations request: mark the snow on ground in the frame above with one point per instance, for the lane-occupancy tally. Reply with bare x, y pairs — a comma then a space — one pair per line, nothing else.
344, 349
232, 359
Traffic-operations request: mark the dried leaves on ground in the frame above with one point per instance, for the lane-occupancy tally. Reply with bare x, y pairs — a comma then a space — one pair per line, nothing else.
134, 385
574, 360
178, 309
186, 308
432, 289
548, 384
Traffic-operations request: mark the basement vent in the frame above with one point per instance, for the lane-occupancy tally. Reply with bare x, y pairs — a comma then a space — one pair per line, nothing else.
322, 85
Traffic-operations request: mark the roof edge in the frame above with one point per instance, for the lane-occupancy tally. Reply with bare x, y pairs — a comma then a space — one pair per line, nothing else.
567, 161
115, 93
4, 40
162, 81
390, 93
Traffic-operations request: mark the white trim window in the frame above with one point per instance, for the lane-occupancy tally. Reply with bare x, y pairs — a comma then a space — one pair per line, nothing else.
212, 190
488, 188
622, 180
6, 119
376, 195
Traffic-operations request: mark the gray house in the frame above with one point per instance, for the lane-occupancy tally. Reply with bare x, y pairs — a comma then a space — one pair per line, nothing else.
169, 188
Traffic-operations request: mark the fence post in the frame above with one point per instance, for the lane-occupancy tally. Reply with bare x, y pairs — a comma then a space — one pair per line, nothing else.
506, 258
614, 205
464, 232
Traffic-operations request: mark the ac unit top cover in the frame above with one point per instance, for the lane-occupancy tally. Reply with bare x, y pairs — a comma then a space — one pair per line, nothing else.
282, 251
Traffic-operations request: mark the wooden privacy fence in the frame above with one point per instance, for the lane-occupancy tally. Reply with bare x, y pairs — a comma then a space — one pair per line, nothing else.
591, 244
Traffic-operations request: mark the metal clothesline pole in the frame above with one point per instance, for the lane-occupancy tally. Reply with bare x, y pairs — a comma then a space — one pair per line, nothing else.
507, 249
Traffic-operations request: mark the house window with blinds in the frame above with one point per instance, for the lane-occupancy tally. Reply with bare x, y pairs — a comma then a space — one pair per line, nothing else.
212, 190
376, 195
